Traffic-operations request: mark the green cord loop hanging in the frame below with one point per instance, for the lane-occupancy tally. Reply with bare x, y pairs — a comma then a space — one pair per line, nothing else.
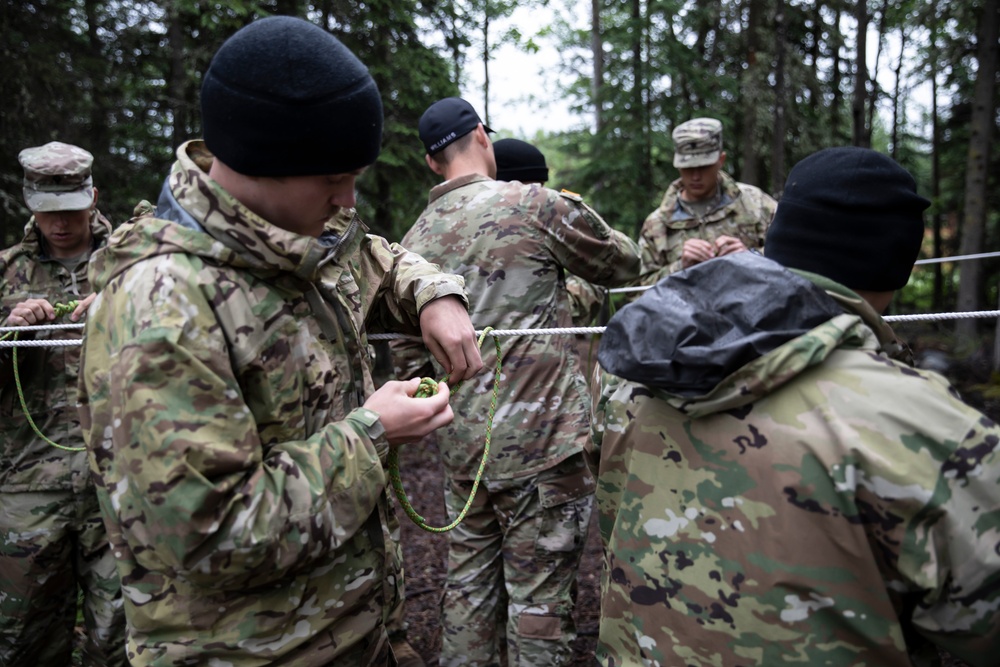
428, 387
61, 309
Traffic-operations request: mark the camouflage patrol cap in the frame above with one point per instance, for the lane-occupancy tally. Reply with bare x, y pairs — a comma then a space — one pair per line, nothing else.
57, 177
697, 143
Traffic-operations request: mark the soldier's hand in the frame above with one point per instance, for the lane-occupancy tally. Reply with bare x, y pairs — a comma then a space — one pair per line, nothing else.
82, 307
31, 312
727, 245
696, 251
406, 418
449, 335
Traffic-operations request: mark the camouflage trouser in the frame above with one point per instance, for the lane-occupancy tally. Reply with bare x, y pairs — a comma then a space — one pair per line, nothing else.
395, 616
512, 567
51, 543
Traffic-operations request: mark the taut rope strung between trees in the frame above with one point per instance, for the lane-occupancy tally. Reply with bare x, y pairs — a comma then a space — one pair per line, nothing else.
492, 332
428, 386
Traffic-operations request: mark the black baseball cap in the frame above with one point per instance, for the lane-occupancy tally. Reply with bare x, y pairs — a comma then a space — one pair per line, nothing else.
446, 121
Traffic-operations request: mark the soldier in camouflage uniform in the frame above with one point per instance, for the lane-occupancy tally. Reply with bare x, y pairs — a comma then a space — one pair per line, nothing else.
227, 394
774, 487
52, 539
513, 560
520, 161
705, 213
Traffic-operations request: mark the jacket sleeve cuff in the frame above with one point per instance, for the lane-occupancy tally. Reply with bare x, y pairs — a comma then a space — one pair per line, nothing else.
449, 285
368, 424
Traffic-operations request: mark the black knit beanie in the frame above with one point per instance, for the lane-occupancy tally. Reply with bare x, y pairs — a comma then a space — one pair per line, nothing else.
519, 161
850, 214
283, 97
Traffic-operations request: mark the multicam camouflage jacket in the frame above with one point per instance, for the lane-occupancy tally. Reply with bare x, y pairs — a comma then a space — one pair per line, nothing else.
795, 498
513, 243
48, 375
224, 366
744, 212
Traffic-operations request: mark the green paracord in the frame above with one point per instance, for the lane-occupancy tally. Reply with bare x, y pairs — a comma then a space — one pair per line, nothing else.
428, 387
61, 309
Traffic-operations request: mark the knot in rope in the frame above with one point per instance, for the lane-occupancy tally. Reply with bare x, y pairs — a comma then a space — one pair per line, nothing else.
426, 389
60, 310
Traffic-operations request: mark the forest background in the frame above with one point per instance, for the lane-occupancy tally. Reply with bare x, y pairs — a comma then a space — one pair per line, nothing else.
787, 77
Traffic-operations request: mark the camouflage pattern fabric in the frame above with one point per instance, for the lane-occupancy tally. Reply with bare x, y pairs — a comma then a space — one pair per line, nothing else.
53, 541
224, 366
543, 520
744, 213
57, 177
589, 307
585, 301
697, 143
48, 375
51, 536
513, 243
822, 505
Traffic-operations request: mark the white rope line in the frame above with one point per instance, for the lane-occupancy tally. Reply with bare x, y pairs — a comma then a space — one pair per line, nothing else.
42, 327
69, 342
575, 331
599, 330
956, 258
916, 317
932, 260
625, 290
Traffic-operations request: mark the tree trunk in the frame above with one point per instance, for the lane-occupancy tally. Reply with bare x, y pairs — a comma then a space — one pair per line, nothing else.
288, 8
938, 298
98, 139
778, 141
486, 67
873, 80
597, 52
176, 97
896, 92
751, 95
835, 82
976, 176
324, 13
859, 133
812, 129
638, 96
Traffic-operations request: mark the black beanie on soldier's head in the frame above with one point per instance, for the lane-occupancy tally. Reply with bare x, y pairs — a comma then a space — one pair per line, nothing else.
519, 161
283, 97
852, 215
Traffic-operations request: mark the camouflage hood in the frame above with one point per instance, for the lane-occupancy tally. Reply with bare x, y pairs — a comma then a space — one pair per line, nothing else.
194, 215
708, 347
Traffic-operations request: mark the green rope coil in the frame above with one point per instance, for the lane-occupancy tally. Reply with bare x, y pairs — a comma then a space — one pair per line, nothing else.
428, 387
61, 309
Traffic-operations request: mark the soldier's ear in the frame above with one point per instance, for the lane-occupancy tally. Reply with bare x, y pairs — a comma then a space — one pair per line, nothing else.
93, 204
434, 165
